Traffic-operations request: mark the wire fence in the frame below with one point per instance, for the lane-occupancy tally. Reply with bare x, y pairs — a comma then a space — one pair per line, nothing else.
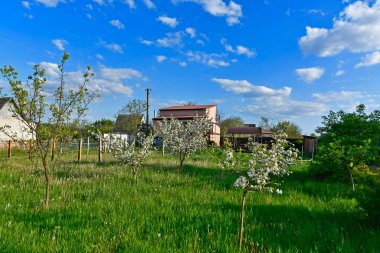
78, 150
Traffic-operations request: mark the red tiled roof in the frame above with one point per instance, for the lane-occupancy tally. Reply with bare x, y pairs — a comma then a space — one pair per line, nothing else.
186, 107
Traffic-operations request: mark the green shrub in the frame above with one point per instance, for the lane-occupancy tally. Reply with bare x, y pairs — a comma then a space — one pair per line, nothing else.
368, 190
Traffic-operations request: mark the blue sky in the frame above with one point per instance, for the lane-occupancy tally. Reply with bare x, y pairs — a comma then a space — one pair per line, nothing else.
282, 59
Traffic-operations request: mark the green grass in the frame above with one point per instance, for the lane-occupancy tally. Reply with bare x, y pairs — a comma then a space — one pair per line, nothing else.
99, 208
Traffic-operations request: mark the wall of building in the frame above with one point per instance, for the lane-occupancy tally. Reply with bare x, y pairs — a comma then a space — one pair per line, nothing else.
12, 125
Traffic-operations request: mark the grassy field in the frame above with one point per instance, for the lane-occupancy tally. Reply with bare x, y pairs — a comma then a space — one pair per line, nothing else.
99, 208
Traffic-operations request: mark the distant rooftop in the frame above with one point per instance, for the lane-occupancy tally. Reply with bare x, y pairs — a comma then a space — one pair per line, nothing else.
248, 130
186, 107
4, 100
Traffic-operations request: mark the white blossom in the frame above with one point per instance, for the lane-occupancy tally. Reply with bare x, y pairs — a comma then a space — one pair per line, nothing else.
184, 138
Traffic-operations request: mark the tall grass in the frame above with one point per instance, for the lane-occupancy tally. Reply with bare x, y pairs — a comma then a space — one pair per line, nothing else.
100, 208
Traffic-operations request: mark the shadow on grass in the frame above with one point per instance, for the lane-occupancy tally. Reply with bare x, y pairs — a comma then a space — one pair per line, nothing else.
298, 229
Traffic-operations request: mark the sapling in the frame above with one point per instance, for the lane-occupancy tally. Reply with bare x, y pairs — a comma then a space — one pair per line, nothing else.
133, 152
264, 169
48, 119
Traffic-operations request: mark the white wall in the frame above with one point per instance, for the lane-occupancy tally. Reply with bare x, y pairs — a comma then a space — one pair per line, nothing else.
16, 126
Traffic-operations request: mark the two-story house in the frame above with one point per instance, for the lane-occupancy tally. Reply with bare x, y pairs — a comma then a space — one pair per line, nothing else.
189, 112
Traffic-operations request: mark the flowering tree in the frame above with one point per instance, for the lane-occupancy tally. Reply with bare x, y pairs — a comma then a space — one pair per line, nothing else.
184, 138
264, 168
132, 153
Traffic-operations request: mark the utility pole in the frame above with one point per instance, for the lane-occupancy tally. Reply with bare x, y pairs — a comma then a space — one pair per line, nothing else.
147, 108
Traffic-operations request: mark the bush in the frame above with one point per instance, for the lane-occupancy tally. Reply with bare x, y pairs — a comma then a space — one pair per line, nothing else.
368, 190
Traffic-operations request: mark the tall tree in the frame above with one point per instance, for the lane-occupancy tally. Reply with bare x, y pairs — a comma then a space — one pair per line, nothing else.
134, 107
348, 140
231, 122
48, 120
290, 128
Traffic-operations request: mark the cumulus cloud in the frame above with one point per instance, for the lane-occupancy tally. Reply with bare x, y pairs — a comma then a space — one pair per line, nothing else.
309, 75
357, 29
282, 107
149, 4
246, 88
340, 73
232, 11
239, 50
106, 80
60, 43
191, 31
161, 58
116, 23
131, 3
26, 4
172, 22
114, 47
171, 40
369, 60
182, 64
212, 60
50, 3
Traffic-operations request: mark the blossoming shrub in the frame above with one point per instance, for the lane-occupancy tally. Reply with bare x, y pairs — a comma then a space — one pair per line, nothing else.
133, 152
184, 138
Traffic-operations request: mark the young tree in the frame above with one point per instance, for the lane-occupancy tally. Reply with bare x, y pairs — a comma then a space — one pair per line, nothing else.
184, 138
348, 140
49, 120
264, 169
132, 153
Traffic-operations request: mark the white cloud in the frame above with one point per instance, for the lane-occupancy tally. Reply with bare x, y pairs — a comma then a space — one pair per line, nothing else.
239, 50
191, 31
246, 88
131, 3
232, 11
99, 56
357, 29
100, 2
283, 108
116, 23
114, 47
212, 60
26, 4
217, 101
29, 16
50, 3
106, 80
182, 64
369, 60
161, 58
340, 73
149, 4
171, 40
172, 22
309, 75
338, 96
60, 43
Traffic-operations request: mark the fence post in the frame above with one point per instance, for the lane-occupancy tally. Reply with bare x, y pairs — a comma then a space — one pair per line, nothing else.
30, 149
9, 149
88, 145
100, 158
163, 148
80, 150
52, 149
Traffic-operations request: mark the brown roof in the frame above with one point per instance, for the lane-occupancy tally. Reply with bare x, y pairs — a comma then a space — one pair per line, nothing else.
186, 107
5, 100
248, 130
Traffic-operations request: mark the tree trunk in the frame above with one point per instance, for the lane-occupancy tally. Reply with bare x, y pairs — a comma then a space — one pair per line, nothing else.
47, 185
352, 180
242, 218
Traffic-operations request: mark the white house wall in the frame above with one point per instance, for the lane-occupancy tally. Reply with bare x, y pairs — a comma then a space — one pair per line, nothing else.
13, 125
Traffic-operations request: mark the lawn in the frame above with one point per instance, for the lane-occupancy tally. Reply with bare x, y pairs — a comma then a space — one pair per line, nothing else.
100, 208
